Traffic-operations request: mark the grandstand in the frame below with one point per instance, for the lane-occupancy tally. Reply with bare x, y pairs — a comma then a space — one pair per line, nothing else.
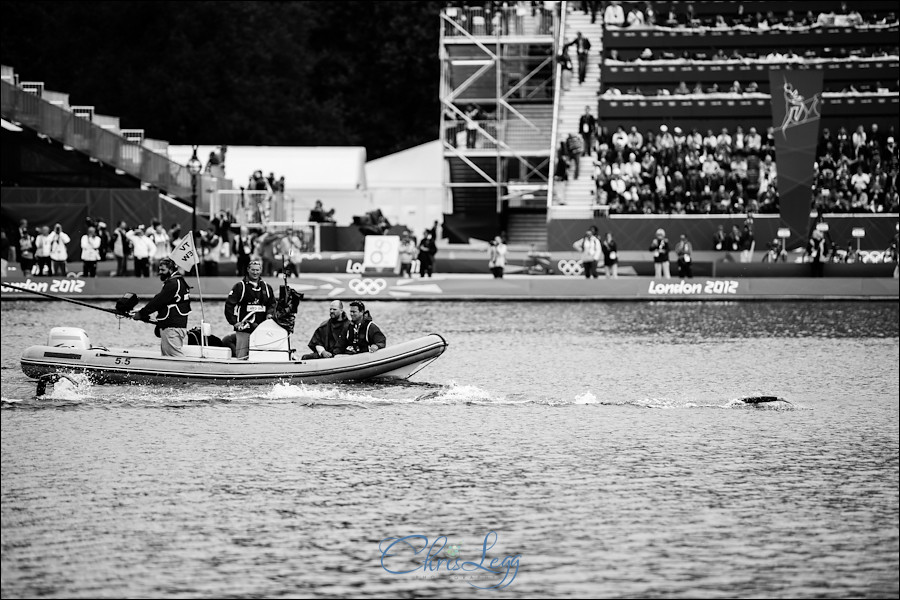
700, 67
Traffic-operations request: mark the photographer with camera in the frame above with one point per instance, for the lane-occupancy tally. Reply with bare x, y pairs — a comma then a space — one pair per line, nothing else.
497, 257
59, 254
250, 302
363, 335
776, 252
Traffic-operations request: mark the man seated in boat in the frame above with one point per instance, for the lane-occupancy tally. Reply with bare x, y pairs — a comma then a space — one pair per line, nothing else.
363, 335
250, 302
172, 305
330, 337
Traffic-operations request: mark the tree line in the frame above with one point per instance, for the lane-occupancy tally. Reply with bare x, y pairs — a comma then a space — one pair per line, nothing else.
317, 73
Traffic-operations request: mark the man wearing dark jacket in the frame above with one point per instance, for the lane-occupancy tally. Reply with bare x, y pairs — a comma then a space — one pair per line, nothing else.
363, 335
330, 337
587, 126
250, 302
582, 49
172, 305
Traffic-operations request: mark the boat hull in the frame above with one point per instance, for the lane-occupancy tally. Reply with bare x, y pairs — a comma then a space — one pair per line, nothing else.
114, 365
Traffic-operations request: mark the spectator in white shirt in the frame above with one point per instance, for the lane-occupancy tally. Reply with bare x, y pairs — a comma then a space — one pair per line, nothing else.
59, 254
614, 15
90, 252
753, 141
144, 249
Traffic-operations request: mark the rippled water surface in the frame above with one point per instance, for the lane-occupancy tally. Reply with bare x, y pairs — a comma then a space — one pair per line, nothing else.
604, 444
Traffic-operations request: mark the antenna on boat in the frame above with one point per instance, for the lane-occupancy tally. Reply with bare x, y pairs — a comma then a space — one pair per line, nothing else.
287, 293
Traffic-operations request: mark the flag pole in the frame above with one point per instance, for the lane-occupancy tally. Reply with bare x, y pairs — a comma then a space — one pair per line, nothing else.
200, 294
184, 254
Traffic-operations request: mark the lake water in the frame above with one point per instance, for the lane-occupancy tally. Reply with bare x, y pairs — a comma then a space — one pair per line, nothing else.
603, 444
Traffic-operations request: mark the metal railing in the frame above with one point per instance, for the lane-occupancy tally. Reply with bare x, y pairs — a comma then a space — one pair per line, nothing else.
554, 133
522, 20
106, 146
514, 134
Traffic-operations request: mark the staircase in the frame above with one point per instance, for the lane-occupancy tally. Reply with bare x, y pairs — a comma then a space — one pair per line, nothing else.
527, 229
580, 192
100, 138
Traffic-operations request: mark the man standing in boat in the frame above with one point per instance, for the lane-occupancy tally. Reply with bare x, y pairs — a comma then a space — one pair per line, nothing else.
172, 305
250, 302
330, 337
363, 335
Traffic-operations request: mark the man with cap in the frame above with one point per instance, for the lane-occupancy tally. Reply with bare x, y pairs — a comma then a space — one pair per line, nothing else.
250, 302
330, 337
172, 305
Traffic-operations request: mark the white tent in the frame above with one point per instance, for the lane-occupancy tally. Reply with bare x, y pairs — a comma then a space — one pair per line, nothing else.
303, 167
408, 186
334, 174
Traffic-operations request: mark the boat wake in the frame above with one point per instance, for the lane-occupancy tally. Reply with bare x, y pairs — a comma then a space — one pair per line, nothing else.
77, 391
742, 403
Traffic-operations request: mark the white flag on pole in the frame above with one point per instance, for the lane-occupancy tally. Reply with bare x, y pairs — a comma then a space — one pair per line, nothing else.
185, 254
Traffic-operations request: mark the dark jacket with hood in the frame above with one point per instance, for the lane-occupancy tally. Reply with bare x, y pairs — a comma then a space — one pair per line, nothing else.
331, 335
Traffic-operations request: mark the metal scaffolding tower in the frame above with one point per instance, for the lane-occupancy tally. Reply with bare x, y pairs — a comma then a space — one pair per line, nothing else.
497, 95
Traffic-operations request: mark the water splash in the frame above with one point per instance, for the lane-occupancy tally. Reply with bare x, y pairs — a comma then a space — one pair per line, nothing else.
586, 398
327, 394
455, 393
76, 387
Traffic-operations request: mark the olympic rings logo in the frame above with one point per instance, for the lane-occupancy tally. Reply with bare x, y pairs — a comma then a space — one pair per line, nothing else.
570, 267
873, 257
367, 287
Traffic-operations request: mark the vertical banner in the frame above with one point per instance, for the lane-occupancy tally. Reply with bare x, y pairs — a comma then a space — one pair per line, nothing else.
796, 112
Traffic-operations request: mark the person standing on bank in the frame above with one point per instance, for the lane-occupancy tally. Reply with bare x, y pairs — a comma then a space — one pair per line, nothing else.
42, 252
684, 249
211, 248
121, 248
242, 248
363, 335
427, 250
25, 248
59, 254
143, 248
590, 249
610, 256
90, 252
406, 252
330, 337
250, 302
816, 252
172, 306
497, 257
660, 249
